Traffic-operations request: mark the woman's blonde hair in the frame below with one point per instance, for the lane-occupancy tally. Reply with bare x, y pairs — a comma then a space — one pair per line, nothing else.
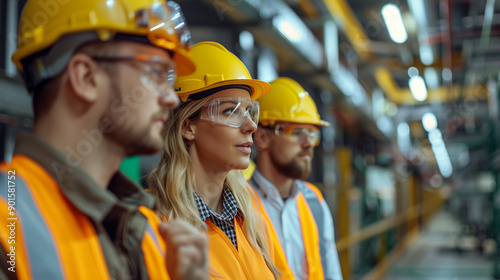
173, 182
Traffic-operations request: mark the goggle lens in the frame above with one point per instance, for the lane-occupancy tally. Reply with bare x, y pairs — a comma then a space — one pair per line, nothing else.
166, 25
231, 111
298, 134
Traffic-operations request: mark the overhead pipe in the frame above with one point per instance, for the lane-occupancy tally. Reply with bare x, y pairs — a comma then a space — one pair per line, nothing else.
403, 96
484, 42
447, 40
341, 11
485, 31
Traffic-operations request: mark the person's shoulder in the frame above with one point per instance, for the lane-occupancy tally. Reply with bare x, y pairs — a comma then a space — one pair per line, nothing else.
315, 190
152, 215
21, 166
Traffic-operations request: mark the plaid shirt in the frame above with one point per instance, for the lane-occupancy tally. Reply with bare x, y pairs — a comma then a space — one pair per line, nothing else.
224, 221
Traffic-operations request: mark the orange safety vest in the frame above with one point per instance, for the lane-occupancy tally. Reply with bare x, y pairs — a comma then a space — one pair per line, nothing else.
310, 233
280, 258
226, 261
51, 239
315, 200
246, 262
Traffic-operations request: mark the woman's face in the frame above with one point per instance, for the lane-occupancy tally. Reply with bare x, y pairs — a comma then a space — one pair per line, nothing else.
222, 145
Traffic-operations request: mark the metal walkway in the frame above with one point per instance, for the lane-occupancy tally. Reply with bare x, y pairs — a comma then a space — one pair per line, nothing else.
442, 252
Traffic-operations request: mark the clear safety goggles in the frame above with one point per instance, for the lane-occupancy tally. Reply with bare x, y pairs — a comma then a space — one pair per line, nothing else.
231, 111
158, 72
166, 25
297, 134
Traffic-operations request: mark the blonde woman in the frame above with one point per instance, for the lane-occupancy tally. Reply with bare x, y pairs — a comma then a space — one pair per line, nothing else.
198, 179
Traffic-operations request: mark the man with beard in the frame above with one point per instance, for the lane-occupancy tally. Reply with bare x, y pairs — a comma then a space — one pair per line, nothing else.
101, 75
285, 139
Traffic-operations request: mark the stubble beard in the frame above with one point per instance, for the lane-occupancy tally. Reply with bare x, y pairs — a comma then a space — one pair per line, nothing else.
294, 169
123, 126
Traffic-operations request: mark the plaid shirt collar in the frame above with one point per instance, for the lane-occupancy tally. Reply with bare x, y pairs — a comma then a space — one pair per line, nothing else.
229, 207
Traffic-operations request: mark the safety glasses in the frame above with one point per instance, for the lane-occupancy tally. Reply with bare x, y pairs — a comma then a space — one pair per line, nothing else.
231, 111
158, 72
166, 25
297, 134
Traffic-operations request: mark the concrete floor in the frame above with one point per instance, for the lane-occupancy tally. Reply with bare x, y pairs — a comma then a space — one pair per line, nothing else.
435, 256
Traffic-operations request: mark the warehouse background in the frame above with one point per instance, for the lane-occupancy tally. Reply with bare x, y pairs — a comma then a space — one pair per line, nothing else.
410, 166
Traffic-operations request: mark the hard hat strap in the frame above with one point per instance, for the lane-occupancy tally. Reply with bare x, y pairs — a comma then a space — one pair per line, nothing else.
49, 63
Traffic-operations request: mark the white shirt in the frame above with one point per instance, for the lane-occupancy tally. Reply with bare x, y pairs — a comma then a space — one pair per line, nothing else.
285, 217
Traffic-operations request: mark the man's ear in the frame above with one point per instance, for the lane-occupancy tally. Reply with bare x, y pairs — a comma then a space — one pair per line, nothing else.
262, 138
189, 130
83, 77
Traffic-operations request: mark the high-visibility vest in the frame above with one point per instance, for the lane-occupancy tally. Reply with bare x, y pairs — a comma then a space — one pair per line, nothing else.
52, 238
308, 199
314, 199
153, 247
230, 263
280, 258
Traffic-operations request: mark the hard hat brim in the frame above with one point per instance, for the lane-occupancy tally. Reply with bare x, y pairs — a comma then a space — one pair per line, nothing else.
267, 122
183, 62
320, 123
323, 123
259, 88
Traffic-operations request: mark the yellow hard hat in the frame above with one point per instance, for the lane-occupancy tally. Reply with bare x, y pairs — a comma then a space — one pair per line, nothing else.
49, 32
216, 67
288, 102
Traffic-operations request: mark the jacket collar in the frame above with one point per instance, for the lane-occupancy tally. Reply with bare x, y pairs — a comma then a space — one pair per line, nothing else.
77, 185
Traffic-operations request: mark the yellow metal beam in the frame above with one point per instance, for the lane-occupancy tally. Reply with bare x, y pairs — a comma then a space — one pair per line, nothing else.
385, 264
402, 96
414, 200
432, 202
341, 11
380, 227
308, 8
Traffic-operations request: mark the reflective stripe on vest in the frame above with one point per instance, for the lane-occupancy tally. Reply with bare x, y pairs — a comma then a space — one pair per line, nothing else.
153, 247
37, 238
314, 200
50, 229
311, 239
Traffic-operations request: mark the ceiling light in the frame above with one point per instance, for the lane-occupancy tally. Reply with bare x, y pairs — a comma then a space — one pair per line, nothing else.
394, 23
431, 77
287, 29
429, 122
246, 40
418, 88
412, 71
426, 55
447, 75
